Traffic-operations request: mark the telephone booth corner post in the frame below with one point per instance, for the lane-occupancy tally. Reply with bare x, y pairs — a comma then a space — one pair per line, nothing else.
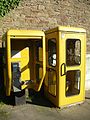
8, 56
65, 61
25, 62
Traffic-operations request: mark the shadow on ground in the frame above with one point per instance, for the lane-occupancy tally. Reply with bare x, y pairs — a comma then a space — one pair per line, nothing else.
35, 98
3, 98
87, 94
87, 97
9, 100
38, 98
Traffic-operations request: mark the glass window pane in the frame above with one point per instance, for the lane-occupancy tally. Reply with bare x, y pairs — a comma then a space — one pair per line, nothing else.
39, 73
73, 52
51, 74
72, 83
39, 50
52, 81
52, 52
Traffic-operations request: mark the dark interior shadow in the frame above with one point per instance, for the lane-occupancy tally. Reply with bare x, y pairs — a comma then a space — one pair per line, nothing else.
38, 98
87, 94
3, 98
87, 97
35, 98
8, 100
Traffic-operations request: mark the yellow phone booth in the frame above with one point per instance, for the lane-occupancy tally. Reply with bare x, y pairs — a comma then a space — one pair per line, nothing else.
65, 65
24, 60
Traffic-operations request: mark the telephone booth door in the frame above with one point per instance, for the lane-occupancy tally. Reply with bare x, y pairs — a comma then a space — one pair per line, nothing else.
72, 68
51, 79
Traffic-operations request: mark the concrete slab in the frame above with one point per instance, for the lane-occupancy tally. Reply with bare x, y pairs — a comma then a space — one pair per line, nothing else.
47, 111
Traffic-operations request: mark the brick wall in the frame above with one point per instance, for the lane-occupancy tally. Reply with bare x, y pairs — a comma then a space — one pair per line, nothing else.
45, 14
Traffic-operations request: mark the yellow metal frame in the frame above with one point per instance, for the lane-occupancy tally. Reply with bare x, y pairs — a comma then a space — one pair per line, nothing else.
51, 97
62, 33
22, 34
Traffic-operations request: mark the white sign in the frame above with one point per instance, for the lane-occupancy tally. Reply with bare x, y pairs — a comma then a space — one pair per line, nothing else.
16, 54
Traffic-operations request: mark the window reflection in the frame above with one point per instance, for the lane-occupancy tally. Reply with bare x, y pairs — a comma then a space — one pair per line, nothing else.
72, 82
52, 52
73, 52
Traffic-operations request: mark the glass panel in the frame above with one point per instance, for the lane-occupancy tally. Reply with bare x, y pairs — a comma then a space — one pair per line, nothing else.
38, 59
72, 82
52, 81
73, 52
39, 50
39, 72
52, 52
46, 78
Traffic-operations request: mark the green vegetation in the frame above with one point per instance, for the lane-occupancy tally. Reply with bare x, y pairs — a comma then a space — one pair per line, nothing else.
7, 5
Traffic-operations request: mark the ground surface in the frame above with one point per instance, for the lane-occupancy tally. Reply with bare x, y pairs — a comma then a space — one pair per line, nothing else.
41, 109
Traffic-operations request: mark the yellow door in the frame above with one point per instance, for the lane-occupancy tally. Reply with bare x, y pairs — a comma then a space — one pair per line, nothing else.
72, 68
51, 79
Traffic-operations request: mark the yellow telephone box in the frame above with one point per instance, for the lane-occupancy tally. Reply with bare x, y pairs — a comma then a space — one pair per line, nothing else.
65, 65
24, 60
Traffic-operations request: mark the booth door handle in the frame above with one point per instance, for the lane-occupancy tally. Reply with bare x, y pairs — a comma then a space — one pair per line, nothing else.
63, 69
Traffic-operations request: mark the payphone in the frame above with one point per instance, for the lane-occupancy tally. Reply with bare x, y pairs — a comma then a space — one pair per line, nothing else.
24, 60
65, 65
16, 74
